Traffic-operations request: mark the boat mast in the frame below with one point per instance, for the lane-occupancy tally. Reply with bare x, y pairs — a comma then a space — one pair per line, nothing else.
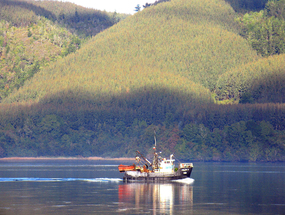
155, 157
154, 139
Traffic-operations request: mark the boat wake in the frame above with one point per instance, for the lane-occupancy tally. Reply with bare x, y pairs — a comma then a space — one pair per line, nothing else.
60, 179
104, 180
185, 180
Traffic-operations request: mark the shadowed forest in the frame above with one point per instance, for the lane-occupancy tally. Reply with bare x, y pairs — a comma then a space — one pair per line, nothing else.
207, 75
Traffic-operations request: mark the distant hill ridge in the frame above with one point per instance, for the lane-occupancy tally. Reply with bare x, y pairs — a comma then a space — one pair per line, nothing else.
79, 20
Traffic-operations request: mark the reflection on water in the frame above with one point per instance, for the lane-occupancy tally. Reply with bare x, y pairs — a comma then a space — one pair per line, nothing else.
96, 187
159, 198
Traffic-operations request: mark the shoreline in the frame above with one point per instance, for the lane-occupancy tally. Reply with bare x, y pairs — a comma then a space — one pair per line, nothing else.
64, 158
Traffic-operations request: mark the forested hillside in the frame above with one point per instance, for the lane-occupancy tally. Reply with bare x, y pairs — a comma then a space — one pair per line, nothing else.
34, 33
172, 67
168, 38
262, 81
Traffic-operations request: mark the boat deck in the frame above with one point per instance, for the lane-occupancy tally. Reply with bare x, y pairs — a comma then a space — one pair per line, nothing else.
143, 176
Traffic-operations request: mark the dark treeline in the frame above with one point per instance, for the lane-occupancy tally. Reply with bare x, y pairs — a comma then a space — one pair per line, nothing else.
155, 3
243, 6
77, 19
89, 128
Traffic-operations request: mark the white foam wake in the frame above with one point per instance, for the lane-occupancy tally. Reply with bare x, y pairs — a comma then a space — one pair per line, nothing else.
104, 180
60, 179
185, 180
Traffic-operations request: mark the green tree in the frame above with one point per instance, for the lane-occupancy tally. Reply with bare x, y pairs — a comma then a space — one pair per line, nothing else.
265, 30
137, 8
168, 120
276, 8
50, 126
29, 33
191, 132
76, 16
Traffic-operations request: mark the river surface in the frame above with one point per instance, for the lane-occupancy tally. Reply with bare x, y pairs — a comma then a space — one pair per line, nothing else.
96, 187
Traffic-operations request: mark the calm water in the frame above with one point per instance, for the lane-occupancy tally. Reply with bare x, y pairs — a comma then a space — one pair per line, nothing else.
95, 187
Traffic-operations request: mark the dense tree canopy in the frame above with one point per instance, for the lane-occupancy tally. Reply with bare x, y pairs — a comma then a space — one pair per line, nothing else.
179, 67
265, 30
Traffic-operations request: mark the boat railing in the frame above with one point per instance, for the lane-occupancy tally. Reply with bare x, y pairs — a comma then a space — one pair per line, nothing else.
186, 165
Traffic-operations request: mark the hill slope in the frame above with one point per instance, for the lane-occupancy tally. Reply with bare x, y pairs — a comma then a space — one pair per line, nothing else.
33, 33
262, 81
154, 70
168, 38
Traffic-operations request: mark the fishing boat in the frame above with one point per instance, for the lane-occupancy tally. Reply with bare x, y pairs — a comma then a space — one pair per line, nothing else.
160, 169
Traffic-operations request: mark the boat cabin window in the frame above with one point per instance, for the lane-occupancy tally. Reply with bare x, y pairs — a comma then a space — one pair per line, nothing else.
168, 162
